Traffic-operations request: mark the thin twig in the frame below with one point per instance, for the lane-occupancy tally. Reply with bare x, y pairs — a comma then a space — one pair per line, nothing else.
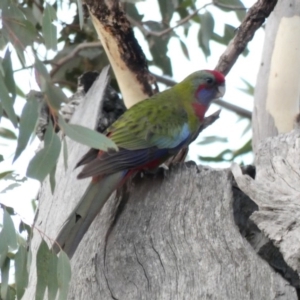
73, 54
146, 31
234, 108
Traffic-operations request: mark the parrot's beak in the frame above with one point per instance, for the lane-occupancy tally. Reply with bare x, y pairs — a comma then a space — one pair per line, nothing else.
221, 91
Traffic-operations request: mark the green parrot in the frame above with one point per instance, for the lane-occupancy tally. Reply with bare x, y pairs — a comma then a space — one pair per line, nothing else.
146, 135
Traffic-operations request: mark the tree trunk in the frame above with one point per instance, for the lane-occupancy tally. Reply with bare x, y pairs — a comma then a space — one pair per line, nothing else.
174, 237
277, 89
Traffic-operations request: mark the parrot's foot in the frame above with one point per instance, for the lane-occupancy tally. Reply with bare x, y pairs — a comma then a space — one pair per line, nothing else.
161, 171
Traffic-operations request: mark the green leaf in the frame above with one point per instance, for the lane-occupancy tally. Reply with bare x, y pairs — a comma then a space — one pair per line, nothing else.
41, 73
4, 278
4, 174
212, 139
28, 120
54, 96
229, 32
7, 102
249, 88
45, 160
1, 111
206, 32
219, 158
65, 153
166, 9
25, 227
21, 273
19, 31
49, 29
52, 277
240, 13
9, 230
63, 275
42, 269
246, 148
184, 49
158, 47
7, 134
3, 246
9, 76
133, 12
80, 13
86, 136
52, 179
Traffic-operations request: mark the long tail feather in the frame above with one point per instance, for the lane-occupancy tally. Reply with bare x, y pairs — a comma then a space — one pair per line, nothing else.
90, 204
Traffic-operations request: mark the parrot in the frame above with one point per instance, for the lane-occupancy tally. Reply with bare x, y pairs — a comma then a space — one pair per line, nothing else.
146, 135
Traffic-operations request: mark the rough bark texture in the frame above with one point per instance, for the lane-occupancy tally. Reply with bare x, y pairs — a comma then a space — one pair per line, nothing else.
124, 53
276, 192
173, 238
263, 123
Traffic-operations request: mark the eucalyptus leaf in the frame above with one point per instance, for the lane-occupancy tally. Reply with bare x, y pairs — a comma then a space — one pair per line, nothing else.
21, 273
212, 139
7, 134
63, 275
246, 148
52, 277
7, 102
86, 136
3, 246
28, 121
166, 9
240, 8
4, 278
52, 179
9, 75
45, 160
249, 88
80, 13
10, 232
42, 269
49, 29
206, 32
4, 174
54, 96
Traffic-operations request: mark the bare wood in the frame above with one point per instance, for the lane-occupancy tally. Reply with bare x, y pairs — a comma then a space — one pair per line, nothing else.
124, 53
174, 239
263, 123
54, 208
276, 191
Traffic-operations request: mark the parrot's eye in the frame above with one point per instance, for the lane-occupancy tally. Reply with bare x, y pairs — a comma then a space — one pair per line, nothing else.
209, 80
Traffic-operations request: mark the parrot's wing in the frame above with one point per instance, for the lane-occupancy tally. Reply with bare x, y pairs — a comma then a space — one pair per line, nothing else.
146, 136
151, 124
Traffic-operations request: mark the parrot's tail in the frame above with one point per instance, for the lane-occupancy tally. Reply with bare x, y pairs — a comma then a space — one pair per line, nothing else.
90, 204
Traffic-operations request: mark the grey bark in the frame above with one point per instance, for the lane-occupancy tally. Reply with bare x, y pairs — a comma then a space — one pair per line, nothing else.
263, 124
276, 192
171, 237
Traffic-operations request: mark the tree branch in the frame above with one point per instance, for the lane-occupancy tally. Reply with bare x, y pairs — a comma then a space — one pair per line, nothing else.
73, 54
255, 17
147, 32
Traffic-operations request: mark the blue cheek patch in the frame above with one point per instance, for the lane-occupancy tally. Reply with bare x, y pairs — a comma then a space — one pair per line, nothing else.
205, 96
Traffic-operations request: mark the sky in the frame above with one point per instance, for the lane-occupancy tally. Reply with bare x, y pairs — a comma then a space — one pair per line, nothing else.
229, 125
